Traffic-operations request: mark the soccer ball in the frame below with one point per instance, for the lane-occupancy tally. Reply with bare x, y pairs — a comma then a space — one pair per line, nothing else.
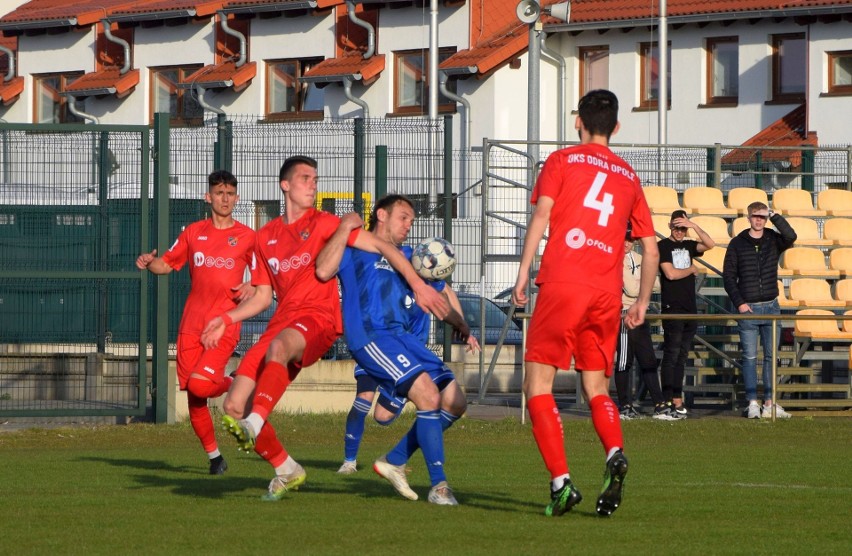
434, 259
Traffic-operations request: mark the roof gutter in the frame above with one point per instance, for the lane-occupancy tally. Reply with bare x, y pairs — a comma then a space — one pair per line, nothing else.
151, 16
371, 32
273, 7
694, 18
11, 55
119, 41
223, 18
38, 24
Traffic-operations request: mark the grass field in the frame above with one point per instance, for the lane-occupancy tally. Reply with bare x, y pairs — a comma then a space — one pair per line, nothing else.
702, 486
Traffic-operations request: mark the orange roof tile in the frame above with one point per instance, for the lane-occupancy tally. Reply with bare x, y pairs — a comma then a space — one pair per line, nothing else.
788, 131
108, 81
52, 13
224, 75
11, 90
352, 64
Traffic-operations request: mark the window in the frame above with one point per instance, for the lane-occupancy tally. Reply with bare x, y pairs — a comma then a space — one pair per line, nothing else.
649, 82
594, 68
411, 89
51, 104
180, 103
788, 68
723, 83
840, 72
423, 208
286, 95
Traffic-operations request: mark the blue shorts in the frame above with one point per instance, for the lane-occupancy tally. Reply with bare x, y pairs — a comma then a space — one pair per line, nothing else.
395, 361
366, 383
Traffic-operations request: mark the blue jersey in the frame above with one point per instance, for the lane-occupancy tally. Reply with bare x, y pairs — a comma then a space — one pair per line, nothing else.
377, 301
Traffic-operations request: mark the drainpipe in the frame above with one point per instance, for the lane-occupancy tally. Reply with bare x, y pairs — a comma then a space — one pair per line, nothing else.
72, 107
223, 18
119, 41
347, 90
11, 55
562, 77
200, 95
442, 83
371, 33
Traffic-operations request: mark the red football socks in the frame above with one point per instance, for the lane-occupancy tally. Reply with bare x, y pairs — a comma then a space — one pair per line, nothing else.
547, 431
607, 422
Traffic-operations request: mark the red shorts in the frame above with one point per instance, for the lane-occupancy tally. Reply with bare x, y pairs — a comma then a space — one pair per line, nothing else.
192, 358
568, 323
319, 334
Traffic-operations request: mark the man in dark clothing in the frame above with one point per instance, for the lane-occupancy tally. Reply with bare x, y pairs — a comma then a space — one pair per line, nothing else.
677, 294
750, 273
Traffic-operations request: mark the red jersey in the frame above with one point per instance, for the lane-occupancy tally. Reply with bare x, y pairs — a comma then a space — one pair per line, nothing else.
218, 259
286, 260
595, 193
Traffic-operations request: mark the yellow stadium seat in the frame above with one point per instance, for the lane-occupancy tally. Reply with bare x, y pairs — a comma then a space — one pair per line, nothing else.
738, 225
807, 261
807, 232
706, 200
661, 224
835, 202
714, 257
813, 292
818, 329
739, 198
783, 301
847, 327
843, 291
715, 226
795, 202
662, 200
838, 230
840, 259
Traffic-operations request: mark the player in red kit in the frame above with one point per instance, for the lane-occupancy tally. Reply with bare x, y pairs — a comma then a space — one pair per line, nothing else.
218, 251
306, 321
587, 195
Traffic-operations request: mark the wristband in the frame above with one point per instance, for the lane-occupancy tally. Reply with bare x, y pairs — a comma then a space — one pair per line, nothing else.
226, 318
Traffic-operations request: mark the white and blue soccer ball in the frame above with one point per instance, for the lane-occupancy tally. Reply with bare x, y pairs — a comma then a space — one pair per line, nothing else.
434, 259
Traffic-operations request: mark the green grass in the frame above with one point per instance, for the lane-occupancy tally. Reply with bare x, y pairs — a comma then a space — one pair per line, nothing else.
703, 486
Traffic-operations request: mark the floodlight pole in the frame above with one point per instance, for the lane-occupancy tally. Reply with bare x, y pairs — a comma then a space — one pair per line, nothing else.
433, 59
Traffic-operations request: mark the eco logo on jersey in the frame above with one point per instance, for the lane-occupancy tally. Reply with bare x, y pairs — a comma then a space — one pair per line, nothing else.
293, 263
200, 259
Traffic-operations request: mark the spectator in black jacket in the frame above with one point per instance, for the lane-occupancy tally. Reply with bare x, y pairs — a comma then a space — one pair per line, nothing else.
750, 273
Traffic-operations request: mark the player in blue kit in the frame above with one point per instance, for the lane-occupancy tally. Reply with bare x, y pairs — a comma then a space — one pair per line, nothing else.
380, 321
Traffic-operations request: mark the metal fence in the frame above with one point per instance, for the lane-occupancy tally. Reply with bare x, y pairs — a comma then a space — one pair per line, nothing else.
77, 206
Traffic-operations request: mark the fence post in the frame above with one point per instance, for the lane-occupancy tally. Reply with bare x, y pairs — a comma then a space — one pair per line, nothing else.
222, 148
103, 248
758, 169
710, 178
448, 215
358, 168
160, 354
808, 169
381, 171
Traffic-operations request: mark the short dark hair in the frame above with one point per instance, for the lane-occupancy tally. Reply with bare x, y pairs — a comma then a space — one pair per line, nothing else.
218, 177
386, 203
598, 111
290, 163
680, 213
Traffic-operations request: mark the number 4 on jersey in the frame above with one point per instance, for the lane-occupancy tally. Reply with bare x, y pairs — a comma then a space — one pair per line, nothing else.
603, 205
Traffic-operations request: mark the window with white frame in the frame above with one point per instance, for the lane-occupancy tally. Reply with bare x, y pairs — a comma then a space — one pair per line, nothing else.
789, 68
840, 72
286, 95
51, 102
723, 69
594, 68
